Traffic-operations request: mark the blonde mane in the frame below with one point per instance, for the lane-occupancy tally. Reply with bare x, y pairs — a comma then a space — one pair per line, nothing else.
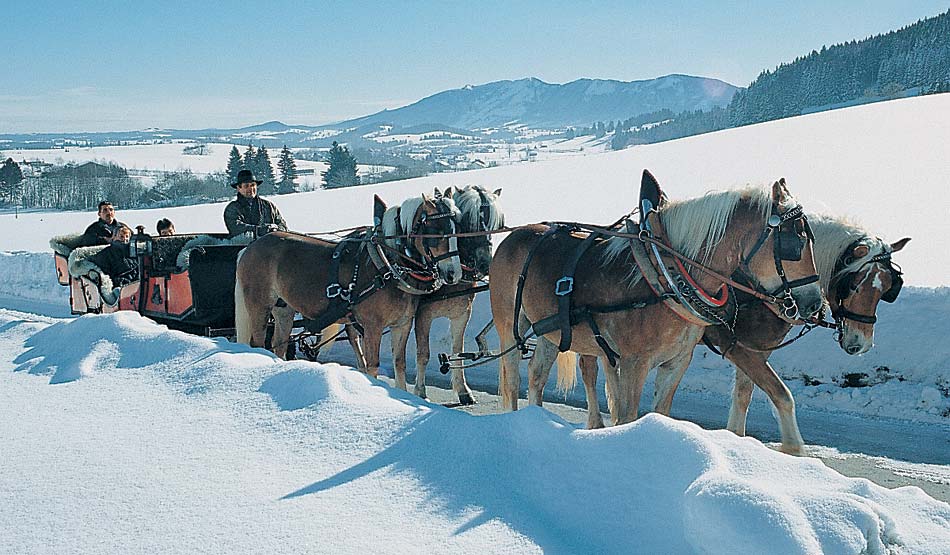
469, 202
833, 235
696, 224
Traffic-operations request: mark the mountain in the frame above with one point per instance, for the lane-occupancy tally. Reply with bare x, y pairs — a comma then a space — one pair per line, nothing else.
534, 103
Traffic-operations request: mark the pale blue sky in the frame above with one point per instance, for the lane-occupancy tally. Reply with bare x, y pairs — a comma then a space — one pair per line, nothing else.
96, 66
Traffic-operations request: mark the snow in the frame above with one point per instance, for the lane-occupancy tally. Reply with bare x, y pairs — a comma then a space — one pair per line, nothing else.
140, 439
118, 435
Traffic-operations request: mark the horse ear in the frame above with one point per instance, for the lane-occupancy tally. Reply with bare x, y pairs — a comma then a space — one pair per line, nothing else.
899, 244
379, 208
650, 190
449, 192
497, 192
437, 193
780, 194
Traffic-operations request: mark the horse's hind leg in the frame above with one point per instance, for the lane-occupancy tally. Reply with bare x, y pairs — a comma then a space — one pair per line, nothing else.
741, 398
459, 384
423, 322
588, 364
755, 365
250, 318
283, 326
668, 377
539, 368
509, 375
399, 338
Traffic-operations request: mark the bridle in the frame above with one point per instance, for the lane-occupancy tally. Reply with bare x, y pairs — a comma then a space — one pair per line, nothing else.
787, 245
432, 224
843, 288
469, 245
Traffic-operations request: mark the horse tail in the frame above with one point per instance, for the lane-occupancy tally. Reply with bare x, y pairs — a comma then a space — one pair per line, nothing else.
566, 370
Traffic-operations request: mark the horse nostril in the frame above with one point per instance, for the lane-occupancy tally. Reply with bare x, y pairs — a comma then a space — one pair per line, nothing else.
853, 349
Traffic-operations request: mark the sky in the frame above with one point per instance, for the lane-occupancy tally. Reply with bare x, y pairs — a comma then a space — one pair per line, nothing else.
108, 66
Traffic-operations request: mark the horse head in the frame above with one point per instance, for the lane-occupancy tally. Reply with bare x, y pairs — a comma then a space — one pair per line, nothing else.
864, 276
479, 212
436, 215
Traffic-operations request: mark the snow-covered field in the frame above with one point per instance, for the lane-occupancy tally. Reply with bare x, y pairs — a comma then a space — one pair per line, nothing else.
119, 436
170, 157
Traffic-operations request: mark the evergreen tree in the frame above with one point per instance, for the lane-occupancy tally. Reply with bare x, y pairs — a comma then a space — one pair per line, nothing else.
11, 180
342, 170
250, 159
235, 164
263, 165
288, 172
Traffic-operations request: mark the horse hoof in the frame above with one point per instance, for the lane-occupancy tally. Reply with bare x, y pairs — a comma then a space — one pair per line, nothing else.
465, 399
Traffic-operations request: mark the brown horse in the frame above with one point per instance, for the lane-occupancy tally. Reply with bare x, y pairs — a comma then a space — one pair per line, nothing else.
722, 230
855, 274
286, 273
479, 212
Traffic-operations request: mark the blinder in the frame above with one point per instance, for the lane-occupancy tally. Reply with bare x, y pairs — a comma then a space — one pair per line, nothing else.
897, 282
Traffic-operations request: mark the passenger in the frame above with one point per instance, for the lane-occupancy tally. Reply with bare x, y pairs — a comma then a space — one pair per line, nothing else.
115, 260
101, 231
250, 213
165, 227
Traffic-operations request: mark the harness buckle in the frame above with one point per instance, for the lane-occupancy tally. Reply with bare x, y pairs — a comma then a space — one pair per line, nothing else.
334, 290
564, 286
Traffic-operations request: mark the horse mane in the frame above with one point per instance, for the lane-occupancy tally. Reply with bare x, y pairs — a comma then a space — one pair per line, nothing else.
469, 202
833, 236
394, 217
696, 224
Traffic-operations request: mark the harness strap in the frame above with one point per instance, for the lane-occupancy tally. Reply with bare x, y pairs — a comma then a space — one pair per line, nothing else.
519, 340
444, 296
564, 289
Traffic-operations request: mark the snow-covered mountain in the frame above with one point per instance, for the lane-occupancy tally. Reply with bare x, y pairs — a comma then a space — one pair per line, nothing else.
534, 103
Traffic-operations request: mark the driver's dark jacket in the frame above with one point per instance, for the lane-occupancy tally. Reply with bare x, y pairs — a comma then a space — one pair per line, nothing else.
115, 261
99, 233
243, 215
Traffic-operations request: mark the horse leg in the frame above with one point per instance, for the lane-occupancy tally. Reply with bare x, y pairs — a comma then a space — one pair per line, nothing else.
399, 337
632, 372
741, 398
509, 375
668, 377
588, 364
283, 326
372, 336
459, 385
422, 325
611, 387
756, 366
539, 367
250, 321
356, 342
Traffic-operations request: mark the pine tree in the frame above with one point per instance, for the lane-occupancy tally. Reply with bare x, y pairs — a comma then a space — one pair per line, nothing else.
288, 172
342, 170
11, 180
263, 165
235, 164
250, 159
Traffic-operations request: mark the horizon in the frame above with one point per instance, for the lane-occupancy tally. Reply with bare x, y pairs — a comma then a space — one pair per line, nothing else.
72, 77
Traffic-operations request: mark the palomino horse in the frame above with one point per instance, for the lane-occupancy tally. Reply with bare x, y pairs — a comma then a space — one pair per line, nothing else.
286, 273
479, 212
724, 230
855, 273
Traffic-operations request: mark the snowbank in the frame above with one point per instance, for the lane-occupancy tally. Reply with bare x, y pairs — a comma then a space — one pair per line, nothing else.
311, 457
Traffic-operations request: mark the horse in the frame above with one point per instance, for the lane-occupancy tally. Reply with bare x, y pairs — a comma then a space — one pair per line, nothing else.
285, 273
621, 308
479, 212
856, 273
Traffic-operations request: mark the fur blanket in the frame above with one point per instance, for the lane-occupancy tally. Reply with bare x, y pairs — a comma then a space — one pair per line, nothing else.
205, 241
80, 266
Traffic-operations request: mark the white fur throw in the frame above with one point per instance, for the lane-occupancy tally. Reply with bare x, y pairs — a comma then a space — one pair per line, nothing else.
64, 244
81, 267
205, 241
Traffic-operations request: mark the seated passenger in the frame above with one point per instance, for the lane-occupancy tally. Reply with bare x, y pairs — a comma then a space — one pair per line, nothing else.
116, 261
101, 231
165, 227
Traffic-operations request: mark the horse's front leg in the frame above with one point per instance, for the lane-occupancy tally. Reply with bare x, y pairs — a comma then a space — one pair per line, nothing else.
668, 377
423, 322
632, 372
283, 327
399, 337
356, 342
372, 336
459, 385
